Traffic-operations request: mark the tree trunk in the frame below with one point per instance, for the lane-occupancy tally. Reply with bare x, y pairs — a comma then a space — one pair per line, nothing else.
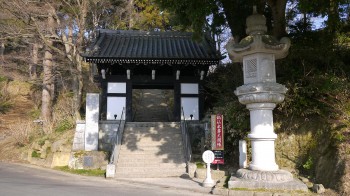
46, 100
93, 72
78, 81
131, 14
236, 13
278, 8
333, 17
48, 80
2, 59
33, 65
79, 92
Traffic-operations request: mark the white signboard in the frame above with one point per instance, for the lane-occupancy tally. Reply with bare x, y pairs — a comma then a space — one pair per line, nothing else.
208, 156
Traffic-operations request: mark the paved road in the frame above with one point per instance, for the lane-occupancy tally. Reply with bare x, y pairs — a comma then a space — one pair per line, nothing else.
22, 180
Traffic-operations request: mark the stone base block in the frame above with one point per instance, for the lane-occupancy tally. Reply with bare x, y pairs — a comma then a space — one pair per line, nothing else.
88, 160
215, 174
276, 180
110, 171
60, 159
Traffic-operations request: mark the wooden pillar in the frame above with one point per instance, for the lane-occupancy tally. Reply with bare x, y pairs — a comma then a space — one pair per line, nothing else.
129, 114
103, 100
200, 100
177, 101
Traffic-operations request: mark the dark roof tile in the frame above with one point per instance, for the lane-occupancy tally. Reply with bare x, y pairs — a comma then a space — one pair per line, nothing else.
163, 47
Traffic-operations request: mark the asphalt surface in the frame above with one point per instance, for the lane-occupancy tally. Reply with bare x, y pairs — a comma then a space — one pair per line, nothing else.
27, 180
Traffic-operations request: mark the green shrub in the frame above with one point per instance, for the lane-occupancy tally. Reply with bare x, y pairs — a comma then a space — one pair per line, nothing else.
64, 126
200, 165
5, 100
84, 172
36, 154
308, 164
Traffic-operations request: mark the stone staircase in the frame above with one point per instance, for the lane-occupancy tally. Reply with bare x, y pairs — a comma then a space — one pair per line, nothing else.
150, 150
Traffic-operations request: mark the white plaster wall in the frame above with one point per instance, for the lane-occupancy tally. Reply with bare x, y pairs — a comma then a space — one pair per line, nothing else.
115, 105
116, 87
190, 106
189, 88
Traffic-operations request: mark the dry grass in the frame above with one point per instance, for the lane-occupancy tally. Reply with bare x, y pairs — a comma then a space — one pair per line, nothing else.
5, 98
22, 132
64, 115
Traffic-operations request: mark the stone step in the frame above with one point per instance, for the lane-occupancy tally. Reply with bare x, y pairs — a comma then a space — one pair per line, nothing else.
136, 164
152, 135
141, 152
148, 175
152, 132
147, 155
151, 150
152, 124
150, 169
155, 172
141, 145
125, 160
165, 158
150, 128
155, 137
155, 140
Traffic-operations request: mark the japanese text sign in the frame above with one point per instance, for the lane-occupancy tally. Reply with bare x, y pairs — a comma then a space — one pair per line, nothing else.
217, 132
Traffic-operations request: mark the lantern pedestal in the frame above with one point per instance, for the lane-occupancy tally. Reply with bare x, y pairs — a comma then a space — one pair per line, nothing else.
271, 180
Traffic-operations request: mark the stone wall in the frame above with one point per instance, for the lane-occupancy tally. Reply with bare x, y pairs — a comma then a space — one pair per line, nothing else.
316, 157
79, 136
198, 137
48, 153
107, 132
291, 148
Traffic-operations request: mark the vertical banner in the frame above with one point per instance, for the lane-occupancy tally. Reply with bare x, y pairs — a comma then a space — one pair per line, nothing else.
217, 132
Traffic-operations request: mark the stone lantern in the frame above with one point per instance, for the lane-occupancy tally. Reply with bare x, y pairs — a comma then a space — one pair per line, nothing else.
260, 93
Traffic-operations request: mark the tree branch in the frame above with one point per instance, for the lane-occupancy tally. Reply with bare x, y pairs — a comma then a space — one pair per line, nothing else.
44, 39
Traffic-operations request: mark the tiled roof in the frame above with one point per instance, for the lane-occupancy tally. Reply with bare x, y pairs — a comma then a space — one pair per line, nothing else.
117, 46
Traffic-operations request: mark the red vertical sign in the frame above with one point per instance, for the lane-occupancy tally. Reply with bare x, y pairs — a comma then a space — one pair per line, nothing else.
219, 132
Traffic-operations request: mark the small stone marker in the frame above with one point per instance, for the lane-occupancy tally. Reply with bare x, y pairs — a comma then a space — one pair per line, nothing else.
318, 188
208, 157
88, 161
110, 171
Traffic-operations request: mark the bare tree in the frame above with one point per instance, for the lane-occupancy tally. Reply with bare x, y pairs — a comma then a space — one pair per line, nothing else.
35, 60
2, 50
61, 27
48, 76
